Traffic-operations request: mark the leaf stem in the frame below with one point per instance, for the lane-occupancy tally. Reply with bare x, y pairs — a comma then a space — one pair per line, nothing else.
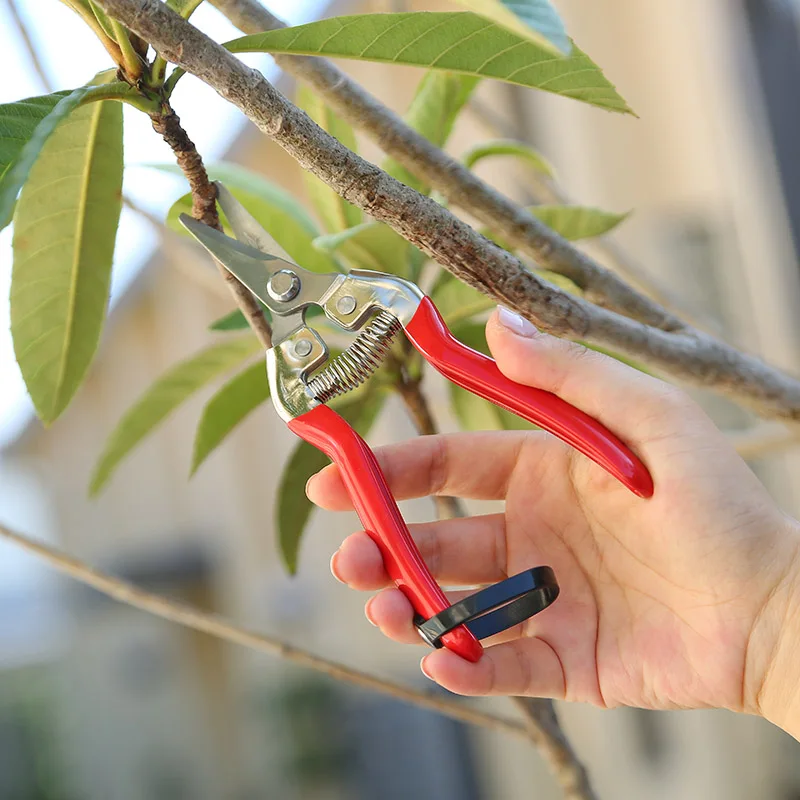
90, 19
204, 208
131, 63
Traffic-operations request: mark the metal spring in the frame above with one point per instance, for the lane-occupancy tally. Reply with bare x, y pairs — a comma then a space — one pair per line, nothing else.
352, 367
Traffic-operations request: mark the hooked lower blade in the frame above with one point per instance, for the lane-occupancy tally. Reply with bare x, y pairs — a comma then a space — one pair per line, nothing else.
249, 266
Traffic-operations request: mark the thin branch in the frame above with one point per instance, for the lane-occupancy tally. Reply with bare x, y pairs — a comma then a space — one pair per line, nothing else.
30, 47
545, 730
418, 410
764, 440
214, 625
688, 355
539, 714
458, 184
204, 208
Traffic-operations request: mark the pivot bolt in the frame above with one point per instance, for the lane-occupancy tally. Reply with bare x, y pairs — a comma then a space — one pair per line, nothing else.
302, 348
346, 304
283, 286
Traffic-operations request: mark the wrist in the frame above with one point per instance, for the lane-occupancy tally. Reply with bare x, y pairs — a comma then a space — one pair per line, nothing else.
774, 650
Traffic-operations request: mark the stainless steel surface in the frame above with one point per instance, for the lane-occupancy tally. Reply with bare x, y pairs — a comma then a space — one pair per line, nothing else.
283, 286
287, 373
287, 289
302, 348
346, 304
254, 269
359, 361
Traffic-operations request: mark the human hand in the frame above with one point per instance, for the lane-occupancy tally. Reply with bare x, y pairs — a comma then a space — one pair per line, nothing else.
670, 602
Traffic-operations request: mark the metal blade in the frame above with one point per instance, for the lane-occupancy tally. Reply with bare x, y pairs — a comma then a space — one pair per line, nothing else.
254, 269
245, 227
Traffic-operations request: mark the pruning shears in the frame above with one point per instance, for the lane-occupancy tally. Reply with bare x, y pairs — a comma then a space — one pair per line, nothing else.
303, 377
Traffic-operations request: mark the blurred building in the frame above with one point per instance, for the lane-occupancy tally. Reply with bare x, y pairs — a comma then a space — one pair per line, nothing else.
101, 702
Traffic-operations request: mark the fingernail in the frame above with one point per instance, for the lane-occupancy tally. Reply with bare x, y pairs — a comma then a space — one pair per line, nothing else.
308, 485
334, 570
366, 612
423, 670
515, 323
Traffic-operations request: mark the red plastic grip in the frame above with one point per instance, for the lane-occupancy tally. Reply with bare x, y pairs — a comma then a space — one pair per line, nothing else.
323, 428
481, 375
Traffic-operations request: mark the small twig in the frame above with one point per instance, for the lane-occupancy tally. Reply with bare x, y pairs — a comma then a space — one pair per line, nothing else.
417, 406
30, 48
545, 730
204, 208
764, 440
214, 625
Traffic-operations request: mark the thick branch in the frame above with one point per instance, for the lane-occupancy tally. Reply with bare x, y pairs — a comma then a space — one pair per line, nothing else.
204, 207
691, 356
214, 625
459, 185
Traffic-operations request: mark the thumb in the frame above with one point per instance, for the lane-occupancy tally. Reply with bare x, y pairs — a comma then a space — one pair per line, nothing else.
619, 396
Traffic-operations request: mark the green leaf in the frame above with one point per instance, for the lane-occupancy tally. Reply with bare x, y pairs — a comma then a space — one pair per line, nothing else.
371, 245
472, 412
437, 103
65, 226
184, 7
232, 321
164, 396
457, 42
280, 214
508, 147
458, 301
227, 408
294, 508
103, 20
534, 19
334, 211
578, 222
24, 128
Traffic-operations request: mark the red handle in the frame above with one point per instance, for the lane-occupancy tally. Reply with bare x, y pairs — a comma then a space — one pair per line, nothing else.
480, 374
326, 430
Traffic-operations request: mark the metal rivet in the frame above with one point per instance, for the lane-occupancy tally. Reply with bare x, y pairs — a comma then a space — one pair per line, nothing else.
283, 286
346, 304
302, 348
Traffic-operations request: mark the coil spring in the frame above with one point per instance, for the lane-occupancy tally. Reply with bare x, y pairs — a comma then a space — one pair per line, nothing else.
352, 367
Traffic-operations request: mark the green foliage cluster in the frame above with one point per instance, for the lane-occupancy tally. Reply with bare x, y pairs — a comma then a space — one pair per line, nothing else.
61, 169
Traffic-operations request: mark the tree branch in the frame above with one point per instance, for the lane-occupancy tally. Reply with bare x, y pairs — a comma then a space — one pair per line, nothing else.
688, 355
214, 625
545, 730
458, 184
204, 208
420, 413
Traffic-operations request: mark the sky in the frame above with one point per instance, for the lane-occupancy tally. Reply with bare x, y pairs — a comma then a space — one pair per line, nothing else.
71, 56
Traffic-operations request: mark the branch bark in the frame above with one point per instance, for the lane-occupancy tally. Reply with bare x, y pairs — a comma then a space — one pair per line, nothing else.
214, 625
459, 185
687, 355
204, 208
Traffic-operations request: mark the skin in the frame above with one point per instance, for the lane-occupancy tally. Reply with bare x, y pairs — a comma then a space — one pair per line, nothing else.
684, 600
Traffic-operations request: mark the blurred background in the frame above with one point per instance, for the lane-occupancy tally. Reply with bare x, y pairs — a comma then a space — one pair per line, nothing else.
101, 702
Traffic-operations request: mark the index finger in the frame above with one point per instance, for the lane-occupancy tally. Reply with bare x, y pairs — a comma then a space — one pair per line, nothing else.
470, 465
